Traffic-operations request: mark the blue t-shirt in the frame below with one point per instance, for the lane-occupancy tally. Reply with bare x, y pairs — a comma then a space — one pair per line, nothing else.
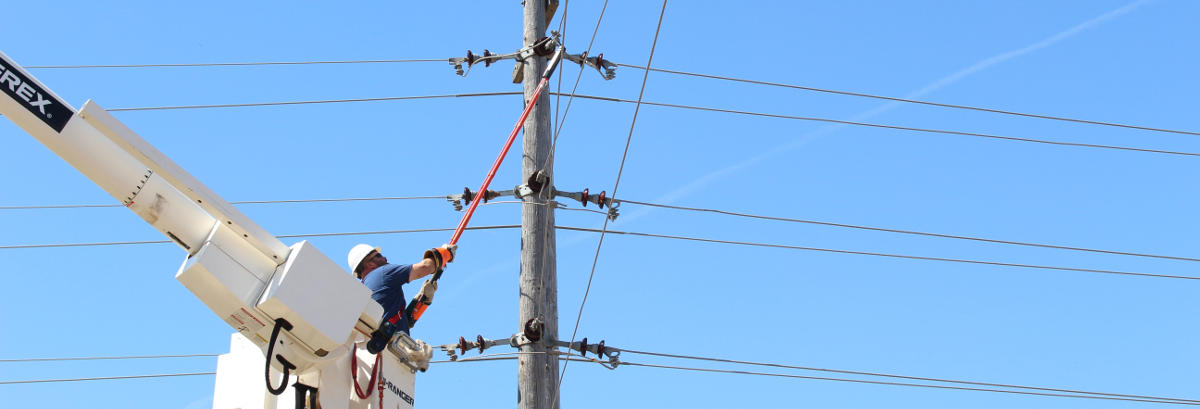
385, 283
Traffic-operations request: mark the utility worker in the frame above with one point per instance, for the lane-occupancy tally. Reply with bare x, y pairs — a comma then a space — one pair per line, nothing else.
385, 280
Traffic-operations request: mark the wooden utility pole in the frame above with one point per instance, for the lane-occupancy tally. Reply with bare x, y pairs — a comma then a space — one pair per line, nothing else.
538, 372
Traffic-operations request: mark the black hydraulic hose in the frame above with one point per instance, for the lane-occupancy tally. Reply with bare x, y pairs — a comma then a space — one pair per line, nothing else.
305, 394
280, 323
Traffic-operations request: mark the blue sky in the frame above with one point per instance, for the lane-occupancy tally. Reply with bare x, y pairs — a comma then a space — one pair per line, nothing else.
1113, 61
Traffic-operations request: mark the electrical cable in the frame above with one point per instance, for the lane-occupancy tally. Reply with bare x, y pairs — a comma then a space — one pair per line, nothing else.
105, 378
562, 32
917, 378
351, 199
679, 106
944, 387
916, 233
902, 256
284, 236
92, 358
571, 97
914, 101
686, 208
325, 101
232, 64
893, 127
616, 185
668, 105
558, 125
662, 236
554, 142
677, 72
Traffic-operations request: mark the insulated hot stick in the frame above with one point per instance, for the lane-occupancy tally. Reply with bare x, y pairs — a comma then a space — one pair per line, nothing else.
417, 307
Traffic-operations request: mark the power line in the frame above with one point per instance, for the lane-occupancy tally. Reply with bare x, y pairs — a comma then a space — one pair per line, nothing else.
674, 207
912, 232
323, 101
917, 385
917, 378
662, 236
893, 127
559, 121
106, 378
679, 106
914, 101
93, 358
350, 199
677, 72
620, 171
281, 236
578, 77
902, 256
233, 64
56, 245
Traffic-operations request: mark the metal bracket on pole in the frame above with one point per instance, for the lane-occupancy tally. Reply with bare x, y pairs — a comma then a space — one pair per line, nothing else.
520, 192
542, 48
533, 185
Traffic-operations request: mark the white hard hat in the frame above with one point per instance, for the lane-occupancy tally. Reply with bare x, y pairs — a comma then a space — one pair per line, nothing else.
357, 254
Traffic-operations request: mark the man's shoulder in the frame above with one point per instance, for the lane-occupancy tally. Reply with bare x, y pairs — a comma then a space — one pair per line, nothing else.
387, 273
390, 270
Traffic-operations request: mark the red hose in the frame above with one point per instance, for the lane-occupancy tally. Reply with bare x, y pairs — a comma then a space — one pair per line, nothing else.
371, 381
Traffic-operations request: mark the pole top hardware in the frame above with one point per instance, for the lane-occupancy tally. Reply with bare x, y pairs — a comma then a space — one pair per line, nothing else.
544, 48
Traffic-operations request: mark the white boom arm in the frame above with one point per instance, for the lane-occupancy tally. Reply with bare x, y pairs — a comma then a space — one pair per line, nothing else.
243, 273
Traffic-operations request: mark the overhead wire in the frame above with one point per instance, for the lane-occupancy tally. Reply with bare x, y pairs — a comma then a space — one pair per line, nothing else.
668, 105
105, 378
662, 70
349, 199
321, 101
914, 101
616, 185
916, 378
95, 358
893, 127
906, 384
562, 32
558, 124
281, 236
234, 64
662, 236
571, 97
550, 159
679, 106
890, 255
514, 355
910, 232
684, 208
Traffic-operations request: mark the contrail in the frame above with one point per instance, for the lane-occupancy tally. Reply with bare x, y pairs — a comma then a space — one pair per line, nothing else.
943, 82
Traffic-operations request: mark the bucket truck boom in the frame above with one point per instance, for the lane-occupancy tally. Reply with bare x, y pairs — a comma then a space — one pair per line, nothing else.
293, 302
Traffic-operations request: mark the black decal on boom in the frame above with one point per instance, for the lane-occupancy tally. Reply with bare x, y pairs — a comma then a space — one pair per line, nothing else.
32, 96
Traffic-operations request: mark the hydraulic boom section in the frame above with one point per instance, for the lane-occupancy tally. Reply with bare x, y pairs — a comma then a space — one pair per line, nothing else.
292, 301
